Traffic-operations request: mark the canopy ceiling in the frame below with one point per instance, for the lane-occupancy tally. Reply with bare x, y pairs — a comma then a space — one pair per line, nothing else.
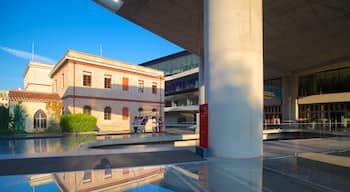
298, 34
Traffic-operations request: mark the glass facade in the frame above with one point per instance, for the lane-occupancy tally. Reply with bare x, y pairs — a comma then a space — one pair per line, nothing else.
182, 91
272, 90
336, 115
272, 114
183, 99
273, 86
185, 84
176, 63
332, 81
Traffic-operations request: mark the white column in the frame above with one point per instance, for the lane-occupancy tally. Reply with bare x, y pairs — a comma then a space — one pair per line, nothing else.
233, 62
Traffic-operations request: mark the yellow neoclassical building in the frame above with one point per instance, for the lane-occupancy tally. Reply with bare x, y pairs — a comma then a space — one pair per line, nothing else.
112, 91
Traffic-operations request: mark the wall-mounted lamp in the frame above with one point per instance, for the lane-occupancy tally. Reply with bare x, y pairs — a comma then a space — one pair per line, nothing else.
112, 5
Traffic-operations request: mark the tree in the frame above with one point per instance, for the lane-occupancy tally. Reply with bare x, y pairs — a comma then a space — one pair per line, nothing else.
18, 118
4, 120
55, 110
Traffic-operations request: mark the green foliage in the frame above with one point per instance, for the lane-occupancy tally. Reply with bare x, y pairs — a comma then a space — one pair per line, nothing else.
73, 141
5, 119
54, 126
78, 123
18, 119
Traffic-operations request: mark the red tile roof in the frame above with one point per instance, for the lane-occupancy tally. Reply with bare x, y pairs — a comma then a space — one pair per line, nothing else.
33, 96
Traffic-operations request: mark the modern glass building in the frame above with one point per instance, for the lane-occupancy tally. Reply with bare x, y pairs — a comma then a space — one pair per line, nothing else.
182, 83
175, 63
181, 86
330, 81
333, 111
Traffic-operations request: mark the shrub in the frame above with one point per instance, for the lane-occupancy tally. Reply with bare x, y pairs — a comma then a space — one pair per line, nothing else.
78, 122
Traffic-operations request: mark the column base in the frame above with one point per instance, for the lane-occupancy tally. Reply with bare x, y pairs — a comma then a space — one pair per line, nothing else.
203, 152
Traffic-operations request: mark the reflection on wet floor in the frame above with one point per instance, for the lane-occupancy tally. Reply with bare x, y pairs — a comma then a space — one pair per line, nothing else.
73, 143
280, 174
44, 145
312, 175
126, 136
279, 170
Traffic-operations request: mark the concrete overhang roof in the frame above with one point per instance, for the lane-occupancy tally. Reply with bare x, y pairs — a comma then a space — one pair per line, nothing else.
298, 34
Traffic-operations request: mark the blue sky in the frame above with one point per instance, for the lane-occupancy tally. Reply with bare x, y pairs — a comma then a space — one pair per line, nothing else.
56, 26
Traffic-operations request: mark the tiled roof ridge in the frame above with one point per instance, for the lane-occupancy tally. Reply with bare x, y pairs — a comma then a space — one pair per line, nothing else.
20, 95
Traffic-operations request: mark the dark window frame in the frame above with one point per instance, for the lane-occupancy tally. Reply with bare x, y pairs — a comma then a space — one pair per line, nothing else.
108, 82
87, 79
107, 113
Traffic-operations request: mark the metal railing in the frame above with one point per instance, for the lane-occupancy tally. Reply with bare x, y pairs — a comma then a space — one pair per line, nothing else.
188, 125
327, 126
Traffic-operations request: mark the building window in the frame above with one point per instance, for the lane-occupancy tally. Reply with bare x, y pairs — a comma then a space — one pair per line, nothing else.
125, 83
108, 81
62, 84
141, 86
40, 145
107, 114
87, 79
87, 176
87, 109
125, 113
39, 119
154, 88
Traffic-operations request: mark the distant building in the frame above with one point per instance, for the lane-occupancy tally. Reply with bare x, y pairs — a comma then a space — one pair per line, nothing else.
319, 95
38, 114
181, 86
36, 77
36, 98
112, 91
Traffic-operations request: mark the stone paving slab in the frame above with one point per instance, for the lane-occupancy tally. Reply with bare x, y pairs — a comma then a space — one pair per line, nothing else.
325, 158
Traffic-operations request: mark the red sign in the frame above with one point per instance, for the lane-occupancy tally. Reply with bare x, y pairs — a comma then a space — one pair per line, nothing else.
203, 131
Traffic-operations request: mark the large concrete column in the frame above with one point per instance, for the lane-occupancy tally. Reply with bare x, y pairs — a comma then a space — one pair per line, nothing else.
233, 62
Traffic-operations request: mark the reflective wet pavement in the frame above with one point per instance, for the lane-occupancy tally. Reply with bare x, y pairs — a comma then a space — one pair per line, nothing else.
278, 170
283, 174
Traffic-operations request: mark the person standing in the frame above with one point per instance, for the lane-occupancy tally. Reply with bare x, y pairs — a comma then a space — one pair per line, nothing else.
135, 124
143, 124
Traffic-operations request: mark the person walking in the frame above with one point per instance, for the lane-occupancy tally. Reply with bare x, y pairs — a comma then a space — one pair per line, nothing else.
135, 124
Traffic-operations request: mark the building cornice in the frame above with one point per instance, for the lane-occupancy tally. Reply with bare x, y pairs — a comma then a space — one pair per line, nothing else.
104, 62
